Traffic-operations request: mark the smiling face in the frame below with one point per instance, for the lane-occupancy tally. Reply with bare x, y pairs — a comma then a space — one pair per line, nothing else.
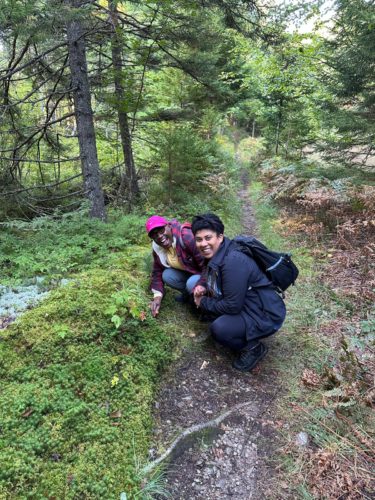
162, 236
208, 242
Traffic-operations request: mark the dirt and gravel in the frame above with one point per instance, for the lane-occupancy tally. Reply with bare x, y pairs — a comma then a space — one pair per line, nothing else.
221, 420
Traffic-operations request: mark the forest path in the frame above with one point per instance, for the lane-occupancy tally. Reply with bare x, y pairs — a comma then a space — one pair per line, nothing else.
225, 459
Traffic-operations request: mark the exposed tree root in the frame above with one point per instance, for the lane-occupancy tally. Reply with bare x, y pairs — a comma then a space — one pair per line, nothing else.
188, 435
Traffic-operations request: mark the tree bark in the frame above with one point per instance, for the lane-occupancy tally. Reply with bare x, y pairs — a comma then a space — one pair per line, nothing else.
84, 115
129, 181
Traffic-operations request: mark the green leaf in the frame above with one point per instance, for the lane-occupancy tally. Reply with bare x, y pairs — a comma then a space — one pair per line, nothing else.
116, 320
112, 309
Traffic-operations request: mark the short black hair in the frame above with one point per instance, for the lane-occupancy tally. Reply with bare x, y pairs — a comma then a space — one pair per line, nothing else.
207, 221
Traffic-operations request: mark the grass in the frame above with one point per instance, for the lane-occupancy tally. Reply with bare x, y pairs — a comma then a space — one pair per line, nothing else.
334, 449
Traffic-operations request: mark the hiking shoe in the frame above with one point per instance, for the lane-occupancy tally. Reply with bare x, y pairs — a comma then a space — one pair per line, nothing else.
250, 357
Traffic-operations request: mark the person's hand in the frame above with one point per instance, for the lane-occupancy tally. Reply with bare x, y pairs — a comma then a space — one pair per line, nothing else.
197, 300
155, 306
199, 292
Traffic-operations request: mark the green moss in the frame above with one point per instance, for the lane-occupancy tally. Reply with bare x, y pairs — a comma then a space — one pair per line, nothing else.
77, 385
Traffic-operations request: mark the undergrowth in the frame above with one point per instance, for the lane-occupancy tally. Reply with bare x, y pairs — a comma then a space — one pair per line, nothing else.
54, 247
308, 169
324, 360
79, 371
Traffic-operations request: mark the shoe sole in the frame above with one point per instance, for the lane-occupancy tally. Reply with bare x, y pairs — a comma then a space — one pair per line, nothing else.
256, 361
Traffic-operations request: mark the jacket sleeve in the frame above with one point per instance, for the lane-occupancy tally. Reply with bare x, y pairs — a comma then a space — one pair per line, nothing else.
156, 274
237, 273
190, 247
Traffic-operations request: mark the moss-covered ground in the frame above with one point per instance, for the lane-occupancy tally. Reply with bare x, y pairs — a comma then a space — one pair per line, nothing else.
78, 372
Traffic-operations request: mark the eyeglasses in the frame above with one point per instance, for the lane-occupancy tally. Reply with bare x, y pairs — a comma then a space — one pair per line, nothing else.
158, 231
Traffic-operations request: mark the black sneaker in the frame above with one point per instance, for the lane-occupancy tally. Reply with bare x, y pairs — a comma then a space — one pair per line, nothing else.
250, 357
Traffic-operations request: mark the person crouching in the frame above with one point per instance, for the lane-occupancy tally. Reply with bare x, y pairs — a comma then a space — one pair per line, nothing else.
176, 260
242, 300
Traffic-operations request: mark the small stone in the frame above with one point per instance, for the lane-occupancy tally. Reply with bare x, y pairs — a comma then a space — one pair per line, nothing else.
221, 484
302, 440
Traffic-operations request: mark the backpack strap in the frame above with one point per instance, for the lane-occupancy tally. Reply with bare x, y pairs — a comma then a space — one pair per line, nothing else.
183, 225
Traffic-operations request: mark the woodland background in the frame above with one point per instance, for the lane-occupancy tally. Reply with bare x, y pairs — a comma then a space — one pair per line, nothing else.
112, 111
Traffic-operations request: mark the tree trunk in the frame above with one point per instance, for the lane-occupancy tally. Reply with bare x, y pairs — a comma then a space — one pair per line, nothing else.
287, 144
84, 115
129, 179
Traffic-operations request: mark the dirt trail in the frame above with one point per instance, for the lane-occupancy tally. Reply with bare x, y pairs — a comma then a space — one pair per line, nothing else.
228, 460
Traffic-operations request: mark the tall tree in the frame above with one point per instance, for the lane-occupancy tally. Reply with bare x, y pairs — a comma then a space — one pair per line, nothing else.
83, 113
129, 180
352, 59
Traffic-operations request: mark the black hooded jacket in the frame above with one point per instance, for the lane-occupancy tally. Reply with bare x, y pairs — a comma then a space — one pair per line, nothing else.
236, 285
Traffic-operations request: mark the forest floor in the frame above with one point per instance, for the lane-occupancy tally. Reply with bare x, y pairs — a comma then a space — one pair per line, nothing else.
300, 424
229, 413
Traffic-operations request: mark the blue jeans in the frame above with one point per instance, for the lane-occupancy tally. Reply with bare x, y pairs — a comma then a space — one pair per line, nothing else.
180, 280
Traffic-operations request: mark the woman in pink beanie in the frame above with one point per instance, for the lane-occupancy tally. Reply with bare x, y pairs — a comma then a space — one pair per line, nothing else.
176, 259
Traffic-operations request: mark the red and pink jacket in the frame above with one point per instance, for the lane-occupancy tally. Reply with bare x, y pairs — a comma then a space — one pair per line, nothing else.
187, 253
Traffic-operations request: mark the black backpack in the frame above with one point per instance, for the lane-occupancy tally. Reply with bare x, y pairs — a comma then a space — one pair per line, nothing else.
278, 267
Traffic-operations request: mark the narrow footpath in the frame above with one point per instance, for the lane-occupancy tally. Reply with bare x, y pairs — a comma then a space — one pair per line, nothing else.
215, 423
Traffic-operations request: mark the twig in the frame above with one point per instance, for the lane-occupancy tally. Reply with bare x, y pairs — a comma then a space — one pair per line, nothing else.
46, 186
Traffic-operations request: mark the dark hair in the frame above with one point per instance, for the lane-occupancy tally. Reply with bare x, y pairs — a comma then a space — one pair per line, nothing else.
207, 221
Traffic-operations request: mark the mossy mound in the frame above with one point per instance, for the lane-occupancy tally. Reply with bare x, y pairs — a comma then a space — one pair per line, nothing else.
78, 375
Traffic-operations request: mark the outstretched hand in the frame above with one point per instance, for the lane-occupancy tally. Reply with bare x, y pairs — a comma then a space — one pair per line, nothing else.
199, 292
155, 306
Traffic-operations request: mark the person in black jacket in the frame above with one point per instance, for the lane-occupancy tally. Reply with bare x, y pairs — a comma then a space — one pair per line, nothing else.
236, 293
